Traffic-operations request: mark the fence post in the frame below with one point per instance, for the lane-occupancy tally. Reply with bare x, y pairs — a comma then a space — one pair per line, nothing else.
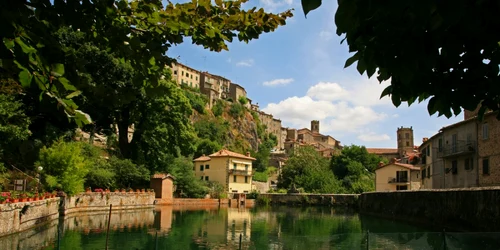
368, 239
156, 240
444, 240
240, 242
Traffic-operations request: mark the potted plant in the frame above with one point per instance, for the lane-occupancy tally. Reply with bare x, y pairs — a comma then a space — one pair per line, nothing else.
88, 190
143, 190
107, 190
36, 197
123, 190
117, 190
14, 198
30, 196
23, 197
130, 190
3, 199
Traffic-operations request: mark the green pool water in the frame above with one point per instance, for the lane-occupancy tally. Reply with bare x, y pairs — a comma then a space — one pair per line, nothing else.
231, 228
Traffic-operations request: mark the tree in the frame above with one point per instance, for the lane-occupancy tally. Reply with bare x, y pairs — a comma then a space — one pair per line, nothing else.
206, 147
14, 124
307, 169
355, 167
137, 32
444, 51
187, 184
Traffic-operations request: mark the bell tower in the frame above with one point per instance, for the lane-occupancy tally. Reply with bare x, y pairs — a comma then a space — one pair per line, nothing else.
405, 140
315, 126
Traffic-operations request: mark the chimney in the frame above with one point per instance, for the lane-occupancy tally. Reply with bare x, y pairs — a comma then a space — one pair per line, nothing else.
248, 154
425, 139
393, 160
380, 164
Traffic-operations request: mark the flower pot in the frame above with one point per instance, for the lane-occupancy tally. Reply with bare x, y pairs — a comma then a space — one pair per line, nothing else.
30, 199
14, 200
23, 199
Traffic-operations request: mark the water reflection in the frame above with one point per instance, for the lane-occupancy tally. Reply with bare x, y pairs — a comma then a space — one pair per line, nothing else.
263, 228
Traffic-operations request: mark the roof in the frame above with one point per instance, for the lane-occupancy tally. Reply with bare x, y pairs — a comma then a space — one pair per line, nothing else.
408, 166
162, 176
202, 158
382, 150
227, 153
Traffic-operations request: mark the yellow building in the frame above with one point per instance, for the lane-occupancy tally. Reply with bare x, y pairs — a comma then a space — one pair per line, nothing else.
232, 170
397, 176
183, 74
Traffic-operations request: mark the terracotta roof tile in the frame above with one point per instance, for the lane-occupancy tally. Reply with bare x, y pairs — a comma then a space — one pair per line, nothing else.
382, 150
162, 176
408, 166
202, 158
225, 152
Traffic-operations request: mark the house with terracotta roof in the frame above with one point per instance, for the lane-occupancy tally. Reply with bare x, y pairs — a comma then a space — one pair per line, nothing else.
397, 176
232, 170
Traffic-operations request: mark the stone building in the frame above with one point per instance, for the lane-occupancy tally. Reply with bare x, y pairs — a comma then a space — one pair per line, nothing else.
324, 144
183, 74
236, 91
405, 140
488, 150
273, 126
216, 83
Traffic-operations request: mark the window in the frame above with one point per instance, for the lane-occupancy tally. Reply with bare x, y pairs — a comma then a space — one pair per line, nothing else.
485, 131
175, 72
407, 135
468, 164
424, 173
454, 167
440, 145
454, 139
196, 78
234, 178
246, 167
182, 73
206, 178
402, 187
187, 74
201, 178
407, 143
424, 158
246, 179
428, 172
201, 167
191, 76
469, 139
234, 165
401, 176
207, 166
428, 150
486, 166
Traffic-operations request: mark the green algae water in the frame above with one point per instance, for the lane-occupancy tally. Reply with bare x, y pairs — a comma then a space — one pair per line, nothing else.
231, 228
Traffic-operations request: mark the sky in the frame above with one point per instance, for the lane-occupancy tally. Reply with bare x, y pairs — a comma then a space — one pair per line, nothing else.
297, 74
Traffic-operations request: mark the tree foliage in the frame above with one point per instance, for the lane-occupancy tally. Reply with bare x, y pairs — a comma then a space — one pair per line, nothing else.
137, 32
444, 51
307, 169
187, 185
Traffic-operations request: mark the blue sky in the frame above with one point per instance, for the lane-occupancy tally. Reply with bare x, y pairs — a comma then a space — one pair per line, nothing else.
296, 73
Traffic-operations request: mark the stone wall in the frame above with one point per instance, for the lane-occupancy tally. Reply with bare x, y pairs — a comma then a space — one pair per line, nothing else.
86, 202
459, 209
347, 200
16, 217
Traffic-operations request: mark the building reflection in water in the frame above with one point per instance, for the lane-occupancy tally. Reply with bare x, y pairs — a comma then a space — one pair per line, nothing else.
163, 219
239, 222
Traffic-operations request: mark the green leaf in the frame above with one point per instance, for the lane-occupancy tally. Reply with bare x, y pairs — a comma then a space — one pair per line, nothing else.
25, 78
82, 118
57, 70
66, 84
432, 106
26, 48
361, 66
351, 60
387, 91
75, 93
308, 5
152, 61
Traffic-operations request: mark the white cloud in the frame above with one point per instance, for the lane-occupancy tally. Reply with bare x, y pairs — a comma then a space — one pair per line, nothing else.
372, 137
359, 93
273, 5
277, 82
326, 35
245, 63
328, 91
334, 116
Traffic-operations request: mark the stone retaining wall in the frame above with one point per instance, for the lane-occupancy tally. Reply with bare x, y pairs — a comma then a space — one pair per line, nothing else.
16, 217
86, 202
346, 200
459, 209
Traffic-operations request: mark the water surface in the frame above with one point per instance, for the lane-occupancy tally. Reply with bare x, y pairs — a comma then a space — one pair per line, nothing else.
261, 228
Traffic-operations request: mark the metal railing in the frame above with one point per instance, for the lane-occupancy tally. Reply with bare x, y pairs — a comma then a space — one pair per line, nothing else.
458, 148
398, 180
241, 172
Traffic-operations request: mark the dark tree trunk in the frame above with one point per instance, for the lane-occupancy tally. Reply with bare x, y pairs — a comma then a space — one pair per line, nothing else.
123, 124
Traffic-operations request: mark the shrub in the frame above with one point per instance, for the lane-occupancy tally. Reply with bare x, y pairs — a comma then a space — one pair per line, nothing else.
237, 110
218, 108
243, 100
128, 174
260, 176
65, 167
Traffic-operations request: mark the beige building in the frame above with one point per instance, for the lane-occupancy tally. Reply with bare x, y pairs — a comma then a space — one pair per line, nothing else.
386, 153
236, 91
183, 74
426, 163
397, 176
232, 170
216, 83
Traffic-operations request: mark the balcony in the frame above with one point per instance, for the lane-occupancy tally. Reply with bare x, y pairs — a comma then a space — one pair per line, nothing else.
457, 149
398, 180
241, 172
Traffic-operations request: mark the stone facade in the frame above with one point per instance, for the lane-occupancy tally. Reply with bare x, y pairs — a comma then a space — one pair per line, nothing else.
488, 138
405, 140
163, 185
101, 201
346, 200
183, 74
236, 91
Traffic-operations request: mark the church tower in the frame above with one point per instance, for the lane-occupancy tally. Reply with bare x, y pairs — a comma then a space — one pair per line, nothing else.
405, 140
315, 126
